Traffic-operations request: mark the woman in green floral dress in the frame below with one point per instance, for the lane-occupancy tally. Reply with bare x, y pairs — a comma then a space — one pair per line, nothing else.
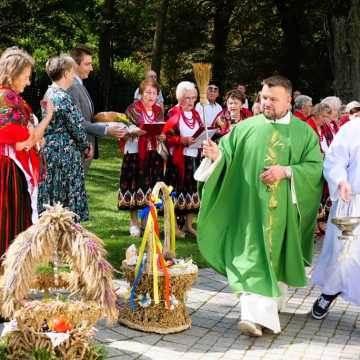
65, 142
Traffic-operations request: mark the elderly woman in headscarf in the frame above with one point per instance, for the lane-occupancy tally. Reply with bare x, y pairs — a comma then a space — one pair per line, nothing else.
182, 124
20, 162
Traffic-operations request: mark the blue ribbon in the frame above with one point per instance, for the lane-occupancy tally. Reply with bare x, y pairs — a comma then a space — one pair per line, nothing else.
135, 285
159, 204
144, 212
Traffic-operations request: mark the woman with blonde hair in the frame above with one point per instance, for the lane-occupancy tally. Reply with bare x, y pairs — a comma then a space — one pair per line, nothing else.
20, 162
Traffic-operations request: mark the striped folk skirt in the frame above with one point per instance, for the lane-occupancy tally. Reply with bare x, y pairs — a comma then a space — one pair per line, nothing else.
137, 180
15, 203
186, 196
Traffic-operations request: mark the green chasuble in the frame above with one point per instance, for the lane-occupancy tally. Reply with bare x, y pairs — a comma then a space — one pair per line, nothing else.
253, 233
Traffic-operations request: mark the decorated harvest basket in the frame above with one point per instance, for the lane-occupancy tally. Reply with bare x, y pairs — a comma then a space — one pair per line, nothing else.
46, 279
61, 325
158, 281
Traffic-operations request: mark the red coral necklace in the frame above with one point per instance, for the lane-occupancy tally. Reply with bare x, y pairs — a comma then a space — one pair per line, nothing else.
190, 122
149, 118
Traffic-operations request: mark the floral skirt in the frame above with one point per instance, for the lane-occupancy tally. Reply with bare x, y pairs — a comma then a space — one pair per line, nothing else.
137, 182
15, 203
64, 181
186, 198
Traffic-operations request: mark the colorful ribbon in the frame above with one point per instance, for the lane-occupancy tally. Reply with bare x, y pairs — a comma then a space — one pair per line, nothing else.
156, 256
135, 285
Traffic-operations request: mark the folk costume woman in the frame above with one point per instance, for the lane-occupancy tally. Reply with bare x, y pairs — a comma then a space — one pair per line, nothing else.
321, 115
183, 122
319, 118
20, 162
142, 166
66, 141
233, 113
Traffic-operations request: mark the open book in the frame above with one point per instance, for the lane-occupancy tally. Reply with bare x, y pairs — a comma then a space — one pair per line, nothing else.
200, 137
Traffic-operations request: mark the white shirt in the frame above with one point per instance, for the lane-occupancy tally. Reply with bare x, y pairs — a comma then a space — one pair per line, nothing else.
186, 131
323, 144
285, 120
211, 110
342, 161
149, 114
132, 144
246, 104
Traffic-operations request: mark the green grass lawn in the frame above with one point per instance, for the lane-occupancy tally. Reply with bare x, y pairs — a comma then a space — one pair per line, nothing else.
111, 225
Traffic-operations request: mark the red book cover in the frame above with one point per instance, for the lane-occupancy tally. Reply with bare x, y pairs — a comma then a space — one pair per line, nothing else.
154, 128
200, 130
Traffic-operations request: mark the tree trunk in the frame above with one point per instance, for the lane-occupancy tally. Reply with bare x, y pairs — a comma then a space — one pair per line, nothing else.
291, 14
224, 9
105, 54
159, 37
344, 48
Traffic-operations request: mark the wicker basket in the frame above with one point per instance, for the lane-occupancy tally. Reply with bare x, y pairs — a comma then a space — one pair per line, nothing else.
160, 317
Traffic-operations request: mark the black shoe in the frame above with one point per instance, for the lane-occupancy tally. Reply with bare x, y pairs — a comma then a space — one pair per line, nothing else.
322, 305
180, 219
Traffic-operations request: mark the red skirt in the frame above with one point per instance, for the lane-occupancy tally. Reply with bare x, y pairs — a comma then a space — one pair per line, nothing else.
15, 202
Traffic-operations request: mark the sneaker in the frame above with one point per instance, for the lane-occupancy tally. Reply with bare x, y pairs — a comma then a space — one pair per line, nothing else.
249, 328
322, 305
134, 231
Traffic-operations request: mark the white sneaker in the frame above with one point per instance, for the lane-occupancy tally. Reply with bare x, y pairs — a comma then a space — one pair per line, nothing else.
249, 328
134, 231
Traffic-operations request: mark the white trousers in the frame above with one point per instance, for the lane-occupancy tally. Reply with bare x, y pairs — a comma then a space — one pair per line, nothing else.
263, 310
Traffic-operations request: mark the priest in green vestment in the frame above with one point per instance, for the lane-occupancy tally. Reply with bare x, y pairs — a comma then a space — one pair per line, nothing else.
262, 188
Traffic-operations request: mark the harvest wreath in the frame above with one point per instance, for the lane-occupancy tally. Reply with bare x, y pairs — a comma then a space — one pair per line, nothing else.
63, 326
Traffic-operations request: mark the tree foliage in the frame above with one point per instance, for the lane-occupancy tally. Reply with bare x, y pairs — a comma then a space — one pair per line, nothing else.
245, 40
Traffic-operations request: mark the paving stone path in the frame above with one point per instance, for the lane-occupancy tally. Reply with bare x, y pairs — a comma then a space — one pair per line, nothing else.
214, 335
215, 312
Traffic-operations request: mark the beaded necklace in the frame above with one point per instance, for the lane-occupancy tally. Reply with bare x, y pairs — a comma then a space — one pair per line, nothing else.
190, 122
148, 118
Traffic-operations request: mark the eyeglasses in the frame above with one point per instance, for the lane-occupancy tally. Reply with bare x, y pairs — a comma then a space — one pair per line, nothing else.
150, 93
